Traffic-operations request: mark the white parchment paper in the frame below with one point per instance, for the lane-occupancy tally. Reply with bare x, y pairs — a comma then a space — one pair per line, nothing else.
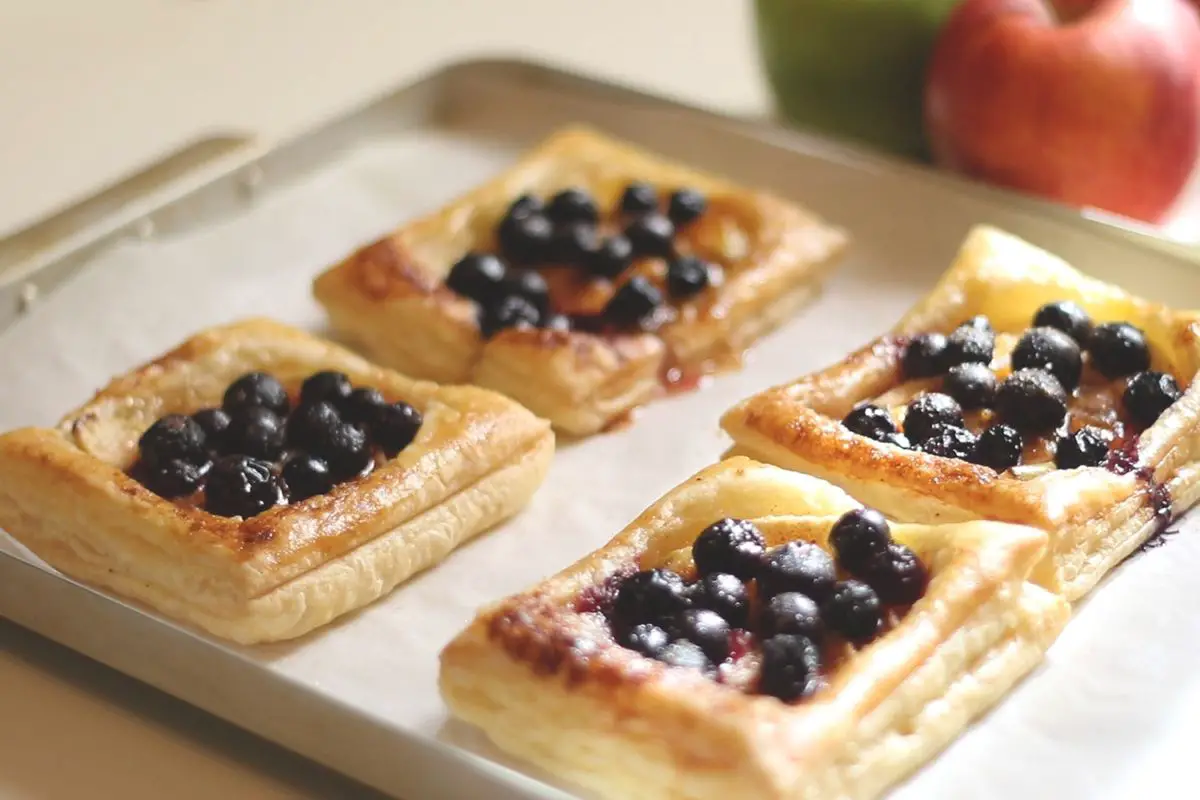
1111, 714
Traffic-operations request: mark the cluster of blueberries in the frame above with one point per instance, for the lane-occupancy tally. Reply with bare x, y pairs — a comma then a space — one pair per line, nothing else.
1047, 366
257, 451
790, 598
564, 232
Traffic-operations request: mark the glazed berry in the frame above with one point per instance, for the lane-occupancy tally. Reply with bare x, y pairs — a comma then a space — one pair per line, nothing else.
858, 538
311, 424
949, 441
797, 567
1118, 349
613, 257
362, 405
656, 595
345, 450
1148, 395
970, 343
633, 303
687, 276
927, 410
255, 432
575, 245
639, 198
240, 486
651, 235
791, 613
999, 448
924, 356
306, 476
979, 322
686, 206
647, 639
1052, 350
526, 239
871, 421
172, 478
556, 322
684, 654
899, 578
972, 385
513, 311
729, 545
707, 629
476, 276
214, 422
395, 426
330, 386
791, 668
1067, 317
725, 594
530, 285
1086, 447
1032, 401
854, 612
256, 389
525, 205
175, 437
572, 205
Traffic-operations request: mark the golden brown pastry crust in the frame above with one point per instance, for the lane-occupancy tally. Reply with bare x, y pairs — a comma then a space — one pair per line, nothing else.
65, 494
1095, 518
389, 298
548, 684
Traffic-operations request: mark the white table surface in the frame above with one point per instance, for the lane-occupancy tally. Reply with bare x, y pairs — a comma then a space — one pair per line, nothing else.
89, 91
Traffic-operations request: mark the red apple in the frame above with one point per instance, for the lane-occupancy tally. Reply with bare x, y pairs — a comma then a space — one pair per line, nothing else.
1089, 102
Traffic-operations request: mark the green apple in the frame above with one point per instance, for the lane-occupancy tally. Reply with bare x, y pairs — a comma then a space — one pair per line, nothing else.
852, 68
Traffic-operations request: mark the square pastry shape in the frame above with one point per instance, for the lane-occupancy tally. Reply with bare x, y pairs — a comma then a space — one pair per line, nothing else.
1095, 515
541, 674
67, 494
391, 299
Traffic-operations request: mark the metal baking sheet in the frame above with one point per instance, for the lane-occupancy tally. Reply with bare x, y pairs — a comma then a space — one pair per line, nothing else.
240, 227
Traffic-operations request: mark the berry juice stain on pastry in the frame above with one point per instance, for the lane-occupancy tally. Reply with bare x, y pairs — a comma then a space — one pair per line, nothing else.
769, 620
268, 446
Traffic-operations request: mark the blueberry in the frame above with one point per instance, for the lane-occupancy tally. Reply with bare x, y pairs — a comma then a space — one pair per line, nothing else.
255, 432
345, 450
647, 639
529, 284
797, 567
972, 385
572, 205
311, 424
395, 426
924, 356
999, 448
256, 390
685, 655
633, 303
656, 595
575, 245
613, 257
1118, 349
525, 205
729, 545
705, 628
1067, 317
214, 422
791, 613
979, 322
526, 239
639, 198
240, 486
651, 235
1032, 401
949, 441
858, 538
686, 206
172, 478
175, 437
871, 421
1147, 395
899, 578
476, 276
791, 668
970, 343
556, 322
927, 410
362, 406
687, 276
513, 311
1052, 350
306, 476
854, 612
1086, 447
329, 385
725, 594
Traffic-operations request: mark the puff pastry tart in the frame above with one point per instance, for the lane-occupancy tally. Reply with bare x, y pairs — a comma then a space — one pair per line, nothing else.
582, 281
756, 633
259, 482
1019, 390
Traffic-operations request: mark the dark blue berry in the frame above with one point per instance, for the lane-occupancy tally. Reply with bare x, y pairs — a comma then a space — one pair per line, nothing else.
311, 424
175, 437
651, 235
1052, 350
899, 577
949, 441
729, 545
686, 206
970, 343
725, 594
633, 303
306, 476
172, 478
791, 613
239, 486
1086, 447
612, 257
639, 198
854, 612
395, 426
657, 596
999, 448
1032, 401
255, 432
972, 385
687, 276
476, 276
647, 639
797, 567
572, 205
706, 629
513, 311
928, 410
256, 390
791, 668
1067, 317
1118, 349
858, 538
1148, 395
924, 356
